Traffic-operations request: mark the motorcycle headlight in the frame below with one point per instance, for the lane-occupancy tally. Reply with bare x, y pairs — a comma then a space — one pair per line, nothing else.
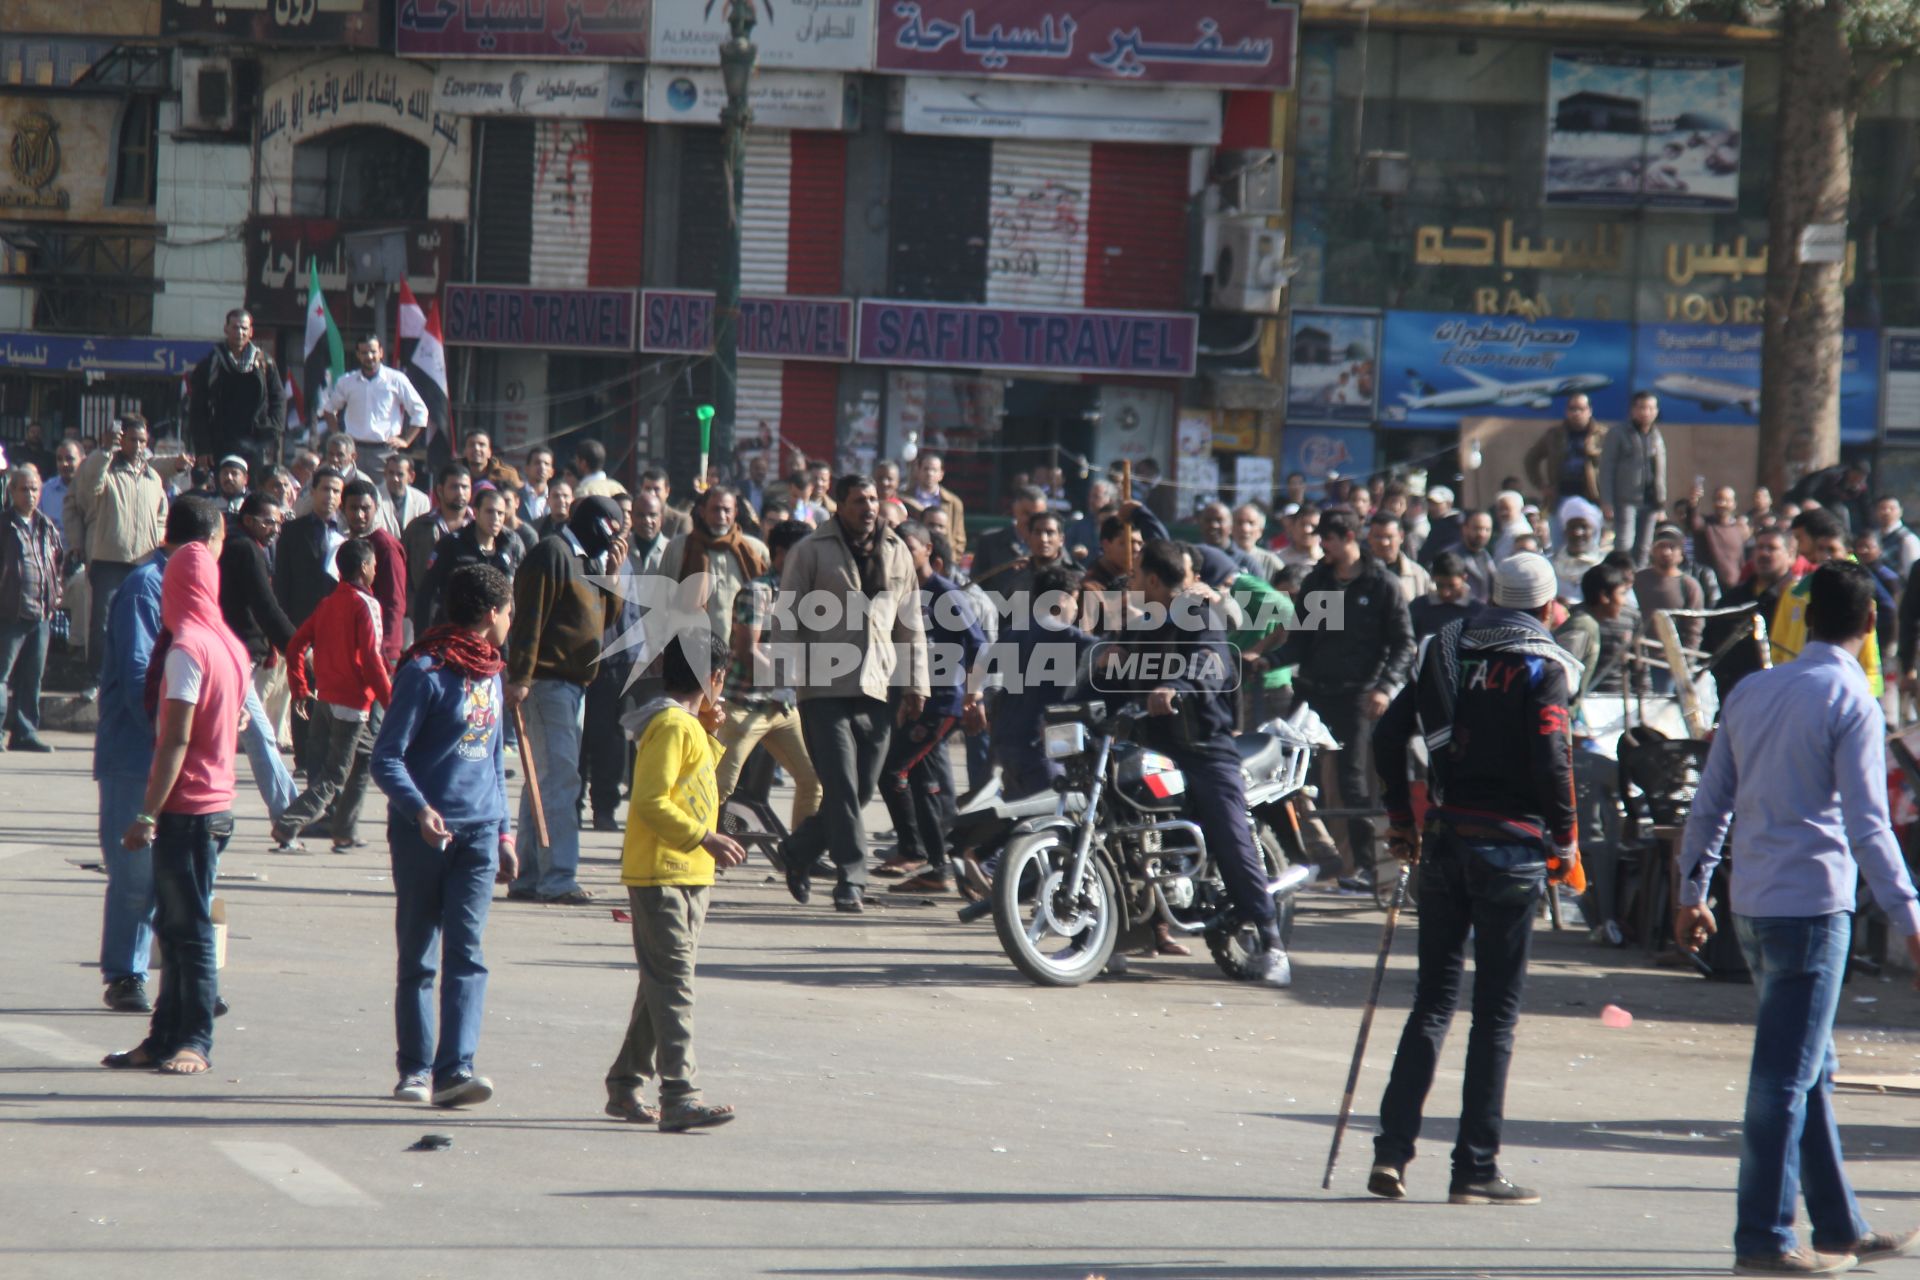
1064, 741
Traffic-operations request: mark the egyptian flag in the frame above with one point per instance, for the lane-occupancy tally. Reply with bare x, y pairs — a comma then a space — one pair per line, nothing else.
326, 358
425, 360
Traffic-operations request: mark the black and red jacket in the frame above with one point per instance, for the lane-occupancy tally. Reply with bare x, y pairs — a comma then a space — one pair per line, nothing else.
1491, 698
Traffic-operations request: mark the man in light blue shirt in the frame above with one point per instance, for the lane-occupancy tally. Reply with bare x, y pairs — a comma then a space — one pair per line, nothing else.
1800, 759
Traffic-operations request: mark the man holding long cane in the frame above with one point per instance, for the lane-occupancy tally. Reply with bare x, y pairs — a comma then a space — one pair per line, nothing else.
1490, 698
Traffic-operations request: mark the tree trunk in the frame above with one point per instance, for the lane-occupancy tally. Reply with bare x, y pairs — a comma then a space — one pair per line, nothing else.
1806, 303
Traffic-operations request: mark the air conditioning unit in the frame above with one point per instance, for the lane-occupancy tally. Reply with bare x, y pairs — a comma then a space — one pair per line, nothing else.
1250, 270
1248, 182
209, 101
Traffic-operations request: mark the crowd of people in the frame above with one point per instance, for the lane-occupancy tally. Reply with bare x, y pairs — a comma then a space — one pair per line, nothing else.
378, 625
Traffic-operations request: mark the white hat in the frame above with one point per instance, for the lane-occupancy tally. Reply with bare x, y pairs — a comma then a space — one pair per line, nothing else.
1524, 580
1440, 493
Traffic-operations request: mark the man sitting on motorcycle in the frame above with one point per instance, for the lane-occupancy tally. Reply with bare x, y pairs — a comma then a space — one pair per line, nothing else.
1191, 718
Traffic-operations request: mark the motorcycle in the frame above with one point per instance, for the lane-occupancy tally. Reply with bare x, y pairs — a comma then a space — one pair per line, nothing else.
1119, 855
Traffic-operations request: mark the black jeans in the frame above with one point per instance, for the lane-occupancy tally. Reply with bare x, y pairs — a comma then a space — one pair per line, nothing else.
603, 747
1490, 892
919, 788
1352, 766
1217, 801
186, 853
847, 740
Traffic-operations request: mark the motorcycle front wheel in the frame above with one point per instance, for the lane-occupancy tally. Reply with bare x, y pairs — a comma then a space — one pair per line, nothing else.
1237, 951
1055, 939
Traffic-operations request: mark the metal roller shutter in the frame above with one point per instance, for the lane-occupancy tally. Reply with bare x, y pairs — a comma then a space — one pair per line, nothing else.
810, 395
562, 204
758, 399
816, 239
619, 199
938, 197
764, 212
506, 200
1037, 223
701, 210
1137, 228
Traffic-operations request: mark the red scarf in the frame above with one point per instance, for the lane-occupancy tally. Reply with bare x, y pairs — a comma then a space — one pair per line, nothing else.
471, 654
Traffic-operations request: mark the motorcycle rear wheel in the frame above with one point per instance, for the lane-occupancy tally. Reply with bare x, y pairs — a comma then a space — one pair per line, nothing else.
1237, 951
1033, 918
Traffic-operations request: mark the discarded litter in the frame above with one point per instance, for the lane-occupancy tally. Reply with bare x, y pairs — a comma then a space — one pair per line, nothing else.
432, 1142
1616, 1017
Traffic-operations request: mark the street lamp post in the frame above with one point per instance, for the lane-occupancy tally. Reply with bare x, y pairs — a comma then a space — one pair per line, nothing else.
737, 57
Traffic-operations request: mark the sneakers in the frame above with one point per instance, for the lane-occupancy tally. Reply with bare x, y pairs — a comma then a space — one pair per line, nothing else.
1494, 1190
463, 1091
1388, 1181
1801, 1262
128, 995
1273, 968
1882, 1244
413, 1088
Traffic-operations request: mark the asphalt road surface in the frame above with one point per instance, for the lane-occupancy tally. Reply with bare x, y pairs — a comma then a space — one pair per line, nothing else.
909, 1106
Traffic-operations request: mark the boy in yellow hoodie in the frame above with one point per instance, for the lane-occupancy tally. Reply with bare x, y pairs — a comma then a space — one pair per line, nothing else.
667, 864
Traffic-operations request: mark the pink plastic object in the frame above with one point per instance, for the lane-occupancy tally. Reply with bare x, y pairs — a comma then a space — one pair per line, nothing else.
1616, 1017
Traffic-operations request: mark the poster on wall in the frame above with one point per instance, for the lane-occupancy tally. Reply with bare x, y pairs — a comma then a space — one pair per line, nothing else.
1438, 368
1902, 382
1322, 453
1711, 373
1643, 130
1253, 480
1333, 363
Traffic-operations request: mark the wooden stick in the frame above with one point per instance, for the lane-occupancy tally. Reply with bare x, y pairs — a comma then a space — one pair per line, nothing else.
1366, 1020
533, 779
1126, 496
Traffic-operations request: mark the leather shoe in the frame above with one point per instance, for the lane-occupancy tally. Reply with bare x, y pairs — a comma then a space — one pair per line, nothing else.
799, 882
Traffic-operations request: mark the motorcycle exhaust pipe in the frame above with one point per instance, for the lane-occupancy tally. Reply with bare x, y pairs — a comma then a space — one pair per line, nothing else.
1292, 880
974, 910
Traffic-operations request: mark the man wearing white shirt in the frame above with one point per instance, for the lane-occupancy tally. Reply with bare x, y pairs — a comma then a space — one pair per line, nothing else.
533, 493
376, 405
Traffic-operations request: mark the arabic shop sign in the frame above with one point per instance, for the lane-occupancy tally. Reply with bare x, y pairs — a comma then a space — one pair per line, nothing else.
316, 22
1437, 369
777, 328
1215, 42
600, 30
55, 157
495, 315
361, 90
278, 250
780, 99
124, 357
1153, 344
1711, 374
563, 90
1079, 111
800, 35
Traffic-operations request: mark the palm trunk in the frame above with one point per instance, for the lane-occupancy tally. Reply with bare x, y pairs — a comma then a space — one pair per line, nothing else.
1805, 307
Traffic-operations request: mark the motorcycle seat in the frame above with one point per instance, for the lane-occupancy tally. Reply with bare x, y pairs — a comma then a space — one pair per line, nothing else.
1259, 753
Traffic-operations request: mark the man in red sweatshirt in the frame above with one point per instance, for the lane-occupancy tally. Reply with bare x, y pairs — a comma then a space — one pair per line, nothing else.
346, 638
360, 518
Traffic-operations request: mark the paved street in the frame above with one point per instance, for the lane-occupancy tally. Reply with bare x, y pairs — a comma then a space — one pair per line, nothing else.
909, 1106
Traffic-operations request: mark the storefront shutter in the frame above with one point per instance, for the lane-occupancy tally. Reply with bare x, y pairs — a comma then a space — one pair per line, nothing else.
764, 212
938, 220
619, 197
701, 212
1137, 228
816, 237
1037, 223
506, 201
562, 204
810, 400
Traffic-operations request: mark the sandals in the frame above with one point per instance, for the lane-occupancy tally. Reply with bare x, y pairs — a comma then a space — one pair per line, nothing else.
187, 1062
632, 1111
134, 1059
697, 1115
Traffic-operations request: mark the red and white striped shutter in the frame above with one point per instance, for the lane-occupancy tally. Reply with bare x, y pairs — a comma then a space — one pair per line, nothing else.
562, 204
1037, 223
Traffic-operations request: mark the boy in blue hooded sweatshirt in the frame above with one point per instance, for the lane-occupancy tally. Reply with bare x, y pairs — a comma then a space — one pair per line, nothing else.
440, 760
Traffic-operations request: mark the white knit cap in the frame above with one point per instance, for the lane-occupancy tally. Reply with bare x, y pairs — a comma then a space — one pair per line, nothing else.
1524, 580
1440, 493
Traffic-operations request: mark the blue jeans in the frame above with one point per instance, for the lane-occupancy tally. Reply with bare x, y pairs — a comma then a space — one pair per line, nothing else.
1486, 892
126, 935
23, 660
263, 757
186, 854
440, 903
554, 712
1790, 1138
103, 583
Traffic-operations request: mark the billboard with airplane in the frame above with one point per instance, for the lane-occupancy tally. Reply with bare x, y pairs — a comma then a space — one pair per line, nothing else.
1438, 368
1711, 373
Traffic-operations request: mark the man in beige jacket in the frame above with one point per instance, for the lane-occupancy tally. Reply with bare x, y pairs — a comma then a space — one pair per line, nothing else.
849, 609
122, 499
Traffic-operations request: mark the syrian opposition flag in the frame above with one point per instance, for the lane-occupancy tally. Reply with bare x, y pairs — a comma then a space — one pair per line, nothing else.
326, 358
425, 360
296, 407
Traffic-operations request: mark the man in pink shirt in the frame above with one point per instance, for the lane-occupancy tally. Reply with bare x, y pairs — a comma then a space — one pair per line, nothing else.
187, 813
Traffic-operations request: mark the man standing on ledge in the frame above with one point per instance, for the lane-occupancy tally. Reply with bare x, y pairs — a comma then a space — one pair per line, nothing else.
1812, 809
377, 406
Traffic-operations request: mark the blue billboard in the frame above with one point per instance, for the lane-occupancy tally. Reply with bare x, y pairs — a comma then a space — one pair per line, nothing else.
1711, 373
1437, 369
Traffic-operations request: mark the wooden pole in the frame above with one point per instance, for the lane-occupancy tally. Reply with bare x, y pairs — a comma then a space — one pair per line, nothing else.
1366, 1020
1126, 496
533, 780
